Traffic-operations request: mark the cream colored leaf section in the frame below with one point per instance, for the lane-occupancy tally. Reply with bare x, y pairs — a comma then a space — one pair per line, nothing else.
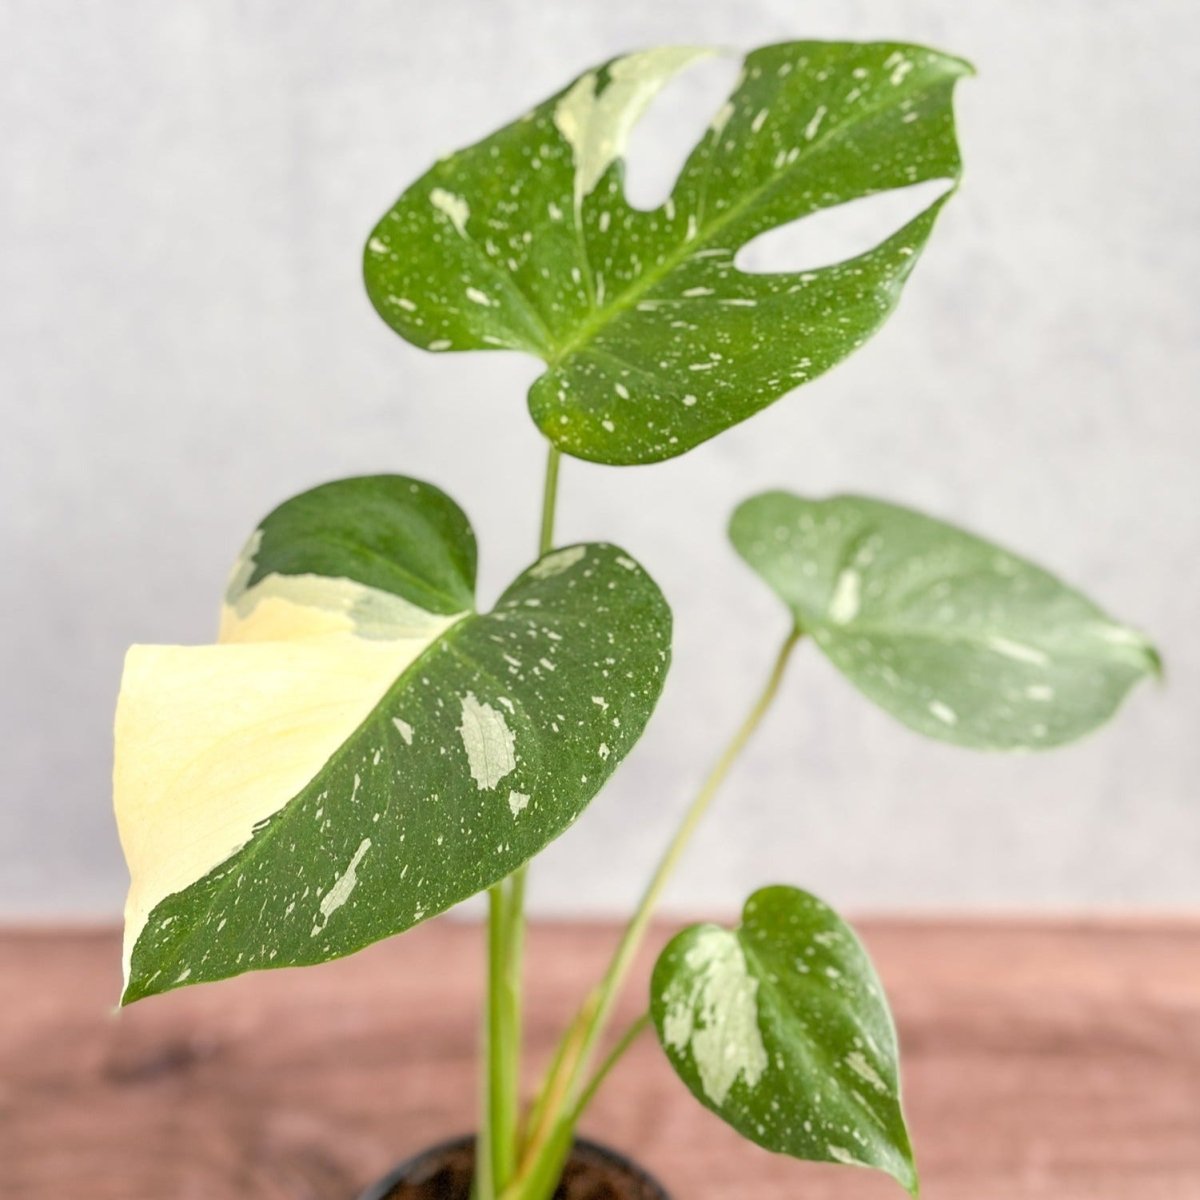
213, 740
597, 119
295, 607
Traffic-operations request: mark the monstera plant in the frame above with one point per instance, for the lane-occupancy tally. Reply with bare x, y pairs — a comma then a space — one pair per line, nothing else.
365, 746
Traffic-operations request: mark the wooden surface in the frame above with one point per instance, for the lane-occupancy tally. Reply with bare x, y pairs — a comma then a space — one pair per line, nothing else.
1043, 1061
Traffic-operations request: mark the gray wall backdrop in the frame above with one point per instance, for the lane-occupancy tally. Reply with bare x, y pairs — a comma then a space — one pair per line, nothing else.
184, 341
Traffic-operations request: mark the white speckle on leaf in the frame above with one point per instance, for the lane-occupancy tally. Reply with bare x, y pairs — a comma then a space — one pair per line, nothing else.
454, 207
943, 712
713, 1010
488, 741
473, 293
843, 604
377, 246
404, 729
1017, 650
857, 1062
810, 130
517, 802
558, 562
345, 883
1121, 636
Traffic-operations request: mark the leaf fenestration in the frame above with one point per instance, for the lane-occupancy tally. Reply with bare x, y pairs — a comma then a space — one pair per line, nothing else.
654, 341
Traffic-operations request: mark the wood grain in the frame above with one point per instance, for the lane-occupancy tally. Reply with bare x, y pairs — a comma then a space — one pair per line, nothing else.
1043, 1061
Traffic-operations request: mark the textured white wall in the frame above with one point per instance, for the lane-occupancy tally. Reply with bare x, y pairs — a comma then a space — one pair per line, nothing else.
184, 341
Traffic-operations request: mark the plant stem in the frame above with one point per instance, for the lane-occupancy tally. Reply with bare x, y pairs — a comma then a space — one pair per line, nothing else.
496, 1154
549, 500
548, 1139
635, 931
540, 1176
624, 1042
497, 1137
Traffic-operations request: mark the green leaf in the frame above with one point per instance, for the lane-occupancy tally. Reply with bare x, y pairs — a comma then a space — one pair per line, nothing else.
654, 341
957, 638
363, 750
387, 532
781, 1028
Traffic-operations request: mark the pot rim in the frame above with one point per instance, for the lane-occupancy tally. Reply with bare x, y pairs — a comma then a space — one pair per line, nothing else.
381, 1187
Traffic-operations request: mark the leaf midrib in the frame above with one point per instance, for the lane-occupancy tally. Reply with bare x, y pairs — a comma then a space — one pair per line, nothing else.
591, 327
917, 633
815, 1047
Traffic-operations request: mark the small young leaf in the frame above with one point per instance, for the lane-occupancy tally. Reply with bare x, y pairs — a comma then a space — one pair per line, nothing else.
958, 639
362, 750
781, 1028
654, 341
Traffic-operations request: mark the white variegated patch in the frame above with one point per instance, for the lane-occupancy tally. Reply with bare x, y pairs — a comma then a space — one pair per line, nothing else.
713, 1013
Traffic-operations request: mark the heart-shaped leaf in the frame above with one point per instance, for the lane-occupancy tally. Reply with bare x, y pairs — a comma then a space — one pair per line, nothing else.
958, 639
362, 750
781, 1028
654, 341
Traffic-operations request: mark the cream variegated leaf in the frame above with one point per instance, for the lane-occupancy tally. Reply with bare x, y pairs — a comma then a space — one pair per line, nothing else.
361, 749
654, 339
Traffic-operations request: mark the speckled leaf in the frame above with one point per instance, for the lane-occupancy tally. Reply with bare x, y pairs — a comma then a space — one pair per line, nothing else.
361, 750
654, 341
958, 639
781, 1028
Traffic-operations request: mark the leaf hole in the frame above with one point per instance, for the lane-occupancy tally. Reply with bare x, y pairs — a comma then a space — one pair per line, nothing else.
674, 122
836, 234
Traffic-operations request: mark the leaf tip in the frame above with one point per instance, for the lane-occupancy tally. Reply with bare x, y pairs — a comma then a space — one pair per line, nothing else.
1156, 668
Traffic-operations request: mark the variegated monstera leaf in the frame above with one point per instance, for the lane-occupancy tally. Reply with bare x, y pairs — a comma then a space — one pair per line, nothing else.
362, 749
957, 638
781, 1028
653, 339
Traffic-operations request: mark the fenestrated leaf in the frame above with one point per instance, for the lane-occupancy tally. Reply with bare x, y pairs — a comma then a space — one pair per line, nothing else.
361, 751
654, 341
781, 1028
957, 638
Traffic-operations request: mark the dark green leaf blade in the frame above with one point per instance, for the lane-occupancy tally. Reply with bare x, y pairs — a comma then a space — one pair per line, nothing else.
653, 339
781, 1028
348, 763
955, 637
389, 532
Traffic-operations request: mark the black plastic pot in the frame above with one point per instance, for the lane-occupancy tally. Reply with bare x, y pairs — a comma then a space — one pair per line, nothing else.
444, 1173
